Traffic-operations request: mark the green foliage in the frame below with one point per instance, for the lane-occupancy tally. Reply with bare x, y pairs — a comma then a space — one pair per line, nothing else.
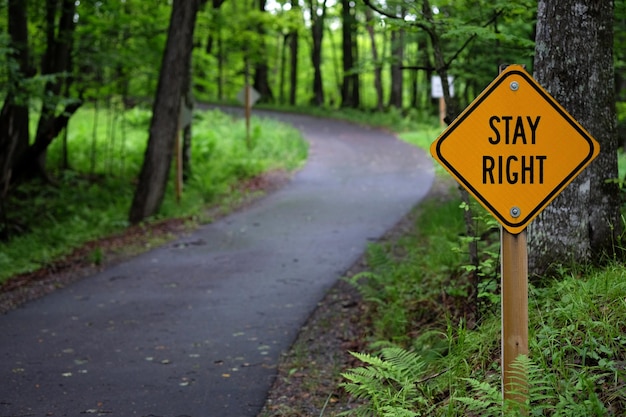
118, 48
422, 136
486, 396
577, 343
389, 382
92, 198
57, 219
580, 337
486, 238
397, 290
222, 163
500, 32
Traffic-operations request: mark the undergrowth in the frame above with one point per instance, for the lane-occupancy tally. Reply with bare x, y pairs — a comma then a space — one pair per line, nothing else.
95, 176
427, 357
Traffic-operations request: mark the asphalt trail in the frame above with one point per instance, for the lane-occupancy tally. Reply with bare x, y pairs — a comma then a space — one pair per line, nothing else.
195, 328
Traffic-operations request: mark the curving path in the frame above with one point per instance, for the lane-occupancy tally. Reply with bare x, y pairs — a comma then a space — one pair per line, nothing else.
195, 328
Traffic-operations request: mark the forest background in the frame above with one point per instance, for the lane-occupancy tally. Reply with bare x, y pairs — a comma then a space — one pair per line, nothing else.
104, 91
83, 81
81, 91
96, 94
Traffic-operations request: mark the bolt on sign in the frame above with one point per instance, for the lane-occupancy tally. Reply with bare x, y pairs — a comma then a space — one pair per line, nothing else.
514, 148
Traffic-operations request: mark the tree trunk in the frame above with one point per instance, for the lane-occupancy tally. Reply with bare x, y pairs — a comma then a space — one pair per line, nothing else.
397, 56
261, 82
293, 57
356, 83
57, 62
317, 29
174, 68
284, 41
261, 70
14, 134
574, 62
378, 83
293, 68
186, 118
350, 92
414, 89
347, 33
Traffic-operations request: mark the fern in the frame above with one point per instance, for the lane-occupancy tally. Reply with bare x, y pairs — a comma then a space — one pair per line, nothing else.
389, 383
487, 400
547, 394
527, 381
378, 258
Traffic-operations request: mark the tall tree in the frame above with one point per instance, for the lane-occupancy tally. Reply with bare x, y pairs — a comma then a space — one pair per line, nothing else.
293, 57
163, 127
397, 58
350, 83
261, 70
378, 67
57, 63
317, 9
14, 118
574, 62
215, 44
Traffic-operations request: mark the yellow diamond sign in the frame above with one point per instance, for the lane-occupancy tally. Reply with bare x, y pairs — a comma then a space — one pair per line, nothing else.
514, 148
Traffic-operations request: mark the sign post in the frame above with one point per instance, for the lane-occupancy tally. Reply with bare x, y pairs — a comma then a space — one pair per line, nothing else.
514, 310
248, 96
514, 148
437, 92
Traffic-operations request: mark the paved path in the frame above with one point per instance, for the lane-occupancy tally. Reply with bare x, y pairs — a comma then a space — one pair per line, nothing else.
195, 328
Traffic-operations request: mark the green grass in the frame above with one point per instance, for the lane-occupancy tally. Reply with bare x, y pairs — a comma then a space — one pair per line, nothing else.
92, 197
415, 292
422, 136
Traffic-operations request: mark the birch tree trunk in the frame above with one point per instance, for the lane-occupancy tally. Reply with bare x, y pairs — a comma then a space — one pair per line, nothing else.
574, 62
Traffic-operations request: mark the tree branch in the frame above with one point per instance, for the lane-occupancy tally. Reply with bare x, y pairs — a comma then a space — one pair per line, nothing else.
471, 38
430, 31
380, 11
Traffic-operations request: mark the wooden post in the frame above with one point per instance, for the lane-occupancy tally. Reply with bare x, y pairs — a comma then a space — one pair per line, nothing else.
514, 313
442, 111
514, 287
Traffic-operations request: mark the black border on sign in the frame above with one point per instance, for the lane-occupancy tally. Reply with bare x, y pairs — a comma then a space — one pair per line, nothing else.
523, 222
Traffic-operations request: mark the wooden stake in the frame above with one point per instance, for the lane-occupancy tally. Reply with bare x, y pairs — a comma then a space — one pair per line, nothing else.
442, 111
514, 313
